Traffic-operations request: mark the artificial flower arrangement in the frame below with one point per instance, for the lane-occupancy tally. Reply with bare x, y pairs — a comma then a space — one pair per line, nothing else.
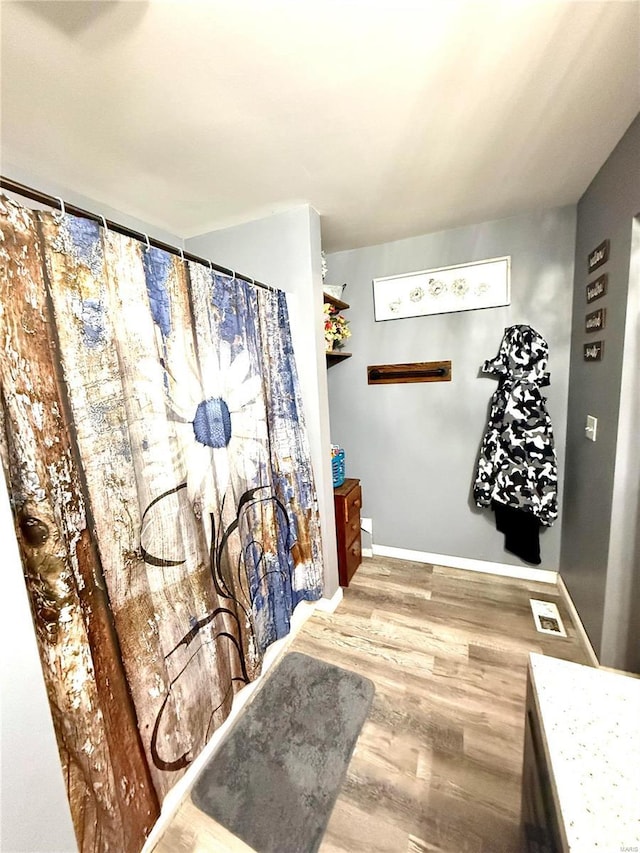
336, 328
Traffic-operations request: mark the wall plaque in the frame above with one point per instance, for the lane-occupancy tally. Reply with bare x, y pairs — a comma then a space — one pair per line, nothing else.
595, 321
599, 256
463, 287
598, 287
594, 351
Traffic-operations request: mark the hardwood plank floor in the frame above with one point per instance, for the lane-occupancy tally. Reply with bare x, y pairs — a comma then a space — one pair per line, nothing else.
437, 766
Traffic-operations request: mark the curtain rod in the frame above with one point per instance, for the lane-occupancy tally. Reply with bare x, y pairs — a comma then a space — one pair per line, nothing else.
54, 201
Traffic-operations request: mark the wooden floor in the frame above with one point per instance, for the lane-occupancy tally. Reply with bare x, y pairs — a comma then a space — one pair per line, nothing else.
437, 766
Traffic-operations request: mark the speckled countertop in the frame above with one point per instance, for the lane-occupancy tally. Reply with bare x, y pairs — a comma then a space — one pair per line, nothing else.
591, 725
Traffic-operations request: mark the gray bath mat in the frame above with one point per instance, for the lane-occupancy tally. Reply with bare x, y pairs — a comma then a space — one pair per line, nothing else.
277, 775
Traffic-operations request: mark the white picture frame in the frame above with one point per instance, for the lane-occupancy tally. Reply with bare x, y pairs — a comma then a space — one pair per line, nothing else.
463, 287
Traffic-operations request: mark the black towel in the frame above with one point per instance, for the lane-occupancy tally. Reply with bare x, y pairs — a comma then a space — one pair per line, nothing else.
521, 531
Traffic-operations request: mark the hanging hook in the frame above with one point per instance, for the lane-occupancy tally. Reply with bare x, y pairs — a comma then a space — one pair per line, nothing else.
62, 209
211, 266
148, 247
181, 254
104, 223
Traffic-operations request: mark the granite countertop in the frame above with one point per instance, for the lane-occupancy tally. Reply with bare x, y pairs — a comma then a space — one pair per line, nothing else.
590, 720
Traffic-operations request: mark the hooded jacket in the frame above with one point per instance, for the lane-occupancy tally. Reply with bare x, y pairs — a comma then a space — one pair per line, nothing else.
517, 465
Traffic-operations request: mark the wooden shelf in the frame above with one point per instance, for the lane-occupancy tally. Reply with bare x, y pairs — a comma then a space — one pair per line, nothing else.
337, 303
335, 355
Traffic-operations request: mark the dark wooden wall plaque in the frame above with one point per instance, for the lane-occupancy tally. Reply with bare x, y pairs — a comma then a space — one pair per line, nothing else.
595, 321
419, 371
599, 256
594, 351
598, 287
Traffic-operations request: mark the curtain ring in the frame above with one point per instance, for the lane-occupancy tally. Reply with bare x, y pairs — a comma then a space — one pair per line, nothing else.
104, 223
62, 209
148, 246
210, 266
181, 254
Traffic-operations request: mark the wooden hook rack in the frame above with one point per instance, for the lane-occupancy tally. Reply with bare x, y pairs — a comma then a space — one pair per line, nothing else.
419, 371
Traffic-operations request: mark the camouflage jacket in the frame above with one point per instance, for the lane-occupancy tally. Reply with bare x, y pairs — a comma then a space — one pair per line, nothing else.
517, 463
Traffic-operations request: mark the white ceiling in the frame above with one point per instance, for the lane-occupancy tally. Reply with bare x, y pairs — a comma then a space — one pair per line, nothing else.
390, 118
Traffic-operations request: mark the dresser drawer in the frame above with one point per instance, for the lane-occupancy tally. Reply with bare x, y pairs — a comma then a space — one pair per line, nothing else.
352, 561
352, 528
353, 504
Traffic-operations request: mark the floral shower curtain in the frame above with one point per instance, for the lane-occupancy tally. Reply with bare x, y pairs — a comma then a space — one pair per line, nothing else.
158, 469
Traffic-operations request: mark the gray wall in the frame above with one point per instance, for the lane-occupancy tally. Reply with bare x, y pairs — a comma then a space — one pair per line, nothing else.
415, 446
284, 250
597, 516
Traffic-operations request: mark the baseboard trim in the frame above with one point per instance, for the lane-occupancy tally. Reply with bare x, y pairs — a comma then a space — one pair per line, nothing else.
367, 552
330, 605
577, 621
520, 572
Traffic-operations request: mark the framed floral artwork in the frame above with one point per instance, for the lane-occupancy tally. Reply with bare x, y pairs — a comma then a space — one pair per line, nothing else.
464, 287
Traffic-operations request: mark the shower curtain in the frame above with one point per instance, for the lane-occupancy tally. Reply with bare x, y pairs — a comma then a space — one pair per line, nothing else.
159, 474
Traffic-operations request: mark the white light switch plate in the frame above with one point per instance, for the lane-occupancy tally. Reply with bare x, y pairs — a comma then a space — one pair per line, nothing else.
591, 428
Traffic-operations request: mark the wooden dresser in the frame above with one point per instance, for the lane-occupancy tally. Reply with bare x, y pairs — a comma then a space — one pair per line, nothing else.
347, 500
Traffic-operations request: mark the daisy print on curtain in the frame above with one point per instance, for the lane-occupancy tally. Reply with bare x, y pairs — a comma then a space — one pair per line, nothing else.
180, 529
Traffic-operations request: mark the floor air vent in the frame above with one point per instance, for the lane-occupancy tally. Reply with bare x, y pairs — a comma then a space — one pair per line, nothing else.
547, 618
